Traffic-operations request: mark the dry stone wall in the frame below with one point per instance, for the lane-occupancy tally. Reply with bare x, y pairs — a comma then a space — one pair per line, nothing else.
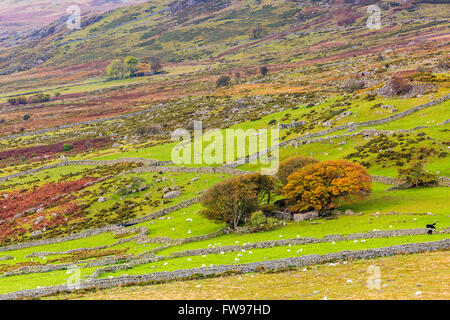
215, 271
97, 231
352, 126
231, 171
304, 240
72, 125
155, 163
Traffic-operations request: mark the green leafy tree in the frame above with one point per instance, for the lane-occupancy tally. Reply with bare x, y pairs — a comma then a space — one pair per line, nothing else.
131, 65
115, 69
265, 185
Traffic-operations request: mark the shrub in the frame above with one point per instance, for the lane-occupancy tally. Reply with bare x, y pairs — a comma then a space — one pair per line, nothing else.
26, 117
257, 32
260, 222
287, 167
258, 218
150, 129
264, 71
416, 176
355, 85
43, 97
325, 185
68, 147
400, 86
135, 184
444, 64
223, 81
34, 99
21, 100
17, 101
421, 69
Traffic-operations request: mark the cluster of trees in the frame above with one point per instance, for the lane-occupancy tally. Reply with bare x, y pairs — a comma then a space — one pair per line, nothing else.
133, 67
303, 184
38, 98
234, 200
225, 80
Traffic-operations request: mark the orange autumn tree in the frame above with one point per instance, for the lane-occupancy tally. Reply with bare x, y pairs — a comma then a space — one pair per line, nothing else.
325, 185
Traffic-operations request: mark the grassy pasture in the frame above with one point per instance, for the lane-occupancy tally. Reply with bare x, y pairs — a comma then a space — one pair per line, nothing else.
401, 278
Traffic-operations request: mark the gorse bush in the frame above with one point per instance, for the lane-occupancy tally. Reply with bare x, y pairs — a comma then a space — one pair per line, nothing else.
355, 85
223, 81
68, 147
259, 222
400, 85
134, 184
416, 176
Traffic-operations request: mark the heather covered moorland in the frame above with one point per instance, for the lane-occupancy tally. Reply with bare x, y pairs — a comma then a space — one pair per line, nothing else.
99, 200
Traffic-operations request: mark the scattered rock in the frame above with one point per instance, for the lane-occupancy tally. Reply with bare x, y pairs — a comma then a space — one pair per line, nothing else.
172, 194
36, 233
38, 220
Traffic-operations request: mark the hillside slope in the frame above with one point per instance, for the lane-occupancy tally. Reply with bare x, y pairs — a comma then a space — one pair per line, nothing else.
218, 32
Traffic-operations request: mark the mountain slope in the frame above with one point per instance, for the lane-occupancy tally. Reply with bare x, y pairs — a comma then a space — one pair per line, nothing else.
20, 16
220, 32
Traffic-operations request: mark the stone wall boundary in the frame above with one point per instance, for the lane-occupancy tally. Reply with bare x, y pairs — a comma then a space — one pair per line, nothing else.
97, 231
352, 126
215, 271
155, 163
